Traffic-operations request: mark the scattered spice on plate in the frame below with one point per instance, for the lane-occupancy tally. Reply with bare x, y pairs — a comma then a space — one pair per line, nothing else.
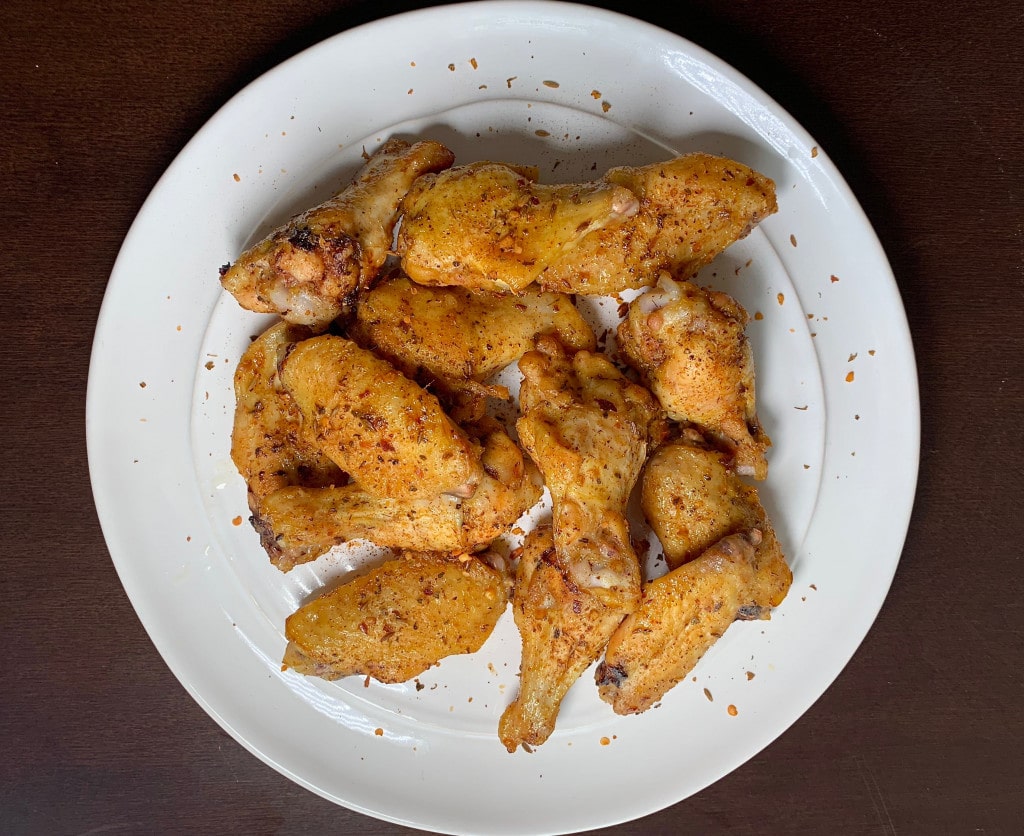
732, 710
236, 521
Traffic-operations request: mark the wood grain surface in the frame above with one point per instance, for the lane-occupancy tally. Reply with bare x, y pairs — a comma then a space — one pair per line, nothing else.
920, 106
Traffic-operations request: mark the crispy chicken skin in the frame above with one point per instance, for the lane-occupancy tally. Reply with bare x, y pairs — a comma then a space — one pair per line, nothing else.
389, 434
268, 444
691, 500
587, 428
681, 615
563, 628
311, 269
691, 208
489, 226
299, 524
398, 620
689, 344
452, 339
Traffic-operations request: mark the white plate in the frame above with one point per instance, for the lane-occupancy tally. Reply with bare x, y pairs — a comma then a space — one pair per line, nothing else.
574, 90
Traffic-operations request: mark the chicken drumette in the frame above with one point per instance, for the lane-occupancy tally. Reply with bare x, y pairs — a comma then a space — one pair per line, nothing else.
689, 344
587, 428
311, 269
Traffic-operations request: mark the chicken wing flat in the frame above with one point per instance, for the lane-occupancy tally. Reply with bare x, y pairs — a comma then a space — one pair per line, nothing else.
681, 615
691, 208
488, 226
692, 500
389, 434
311, 269
587, 429
299, 524
268, 444
452, 339
398, 620
690, 346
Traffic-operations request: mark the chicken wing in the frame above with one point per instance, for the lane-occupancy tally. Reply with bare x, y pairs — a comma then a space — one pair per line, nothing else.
691, 208
689, 344
311, 269
299, 524
398, 620
389, 434
488, 226
681, 615
268, 444
587, 428
451, 339
692, 500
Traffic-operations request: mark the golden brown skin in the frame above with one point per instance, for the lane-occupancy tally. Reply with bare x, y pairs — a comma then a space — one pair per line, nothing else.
691, 208
489, 226
398, 620
690, 346
682, 614
299, 524
389, 434
268, 444
692, 500
563, 628
311, 269
587, 428
452, 339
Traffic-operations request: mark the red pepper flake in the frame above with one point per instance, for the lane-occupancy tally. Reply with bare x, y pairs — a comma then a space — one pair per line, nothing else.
814, 587
782, 298
833, 278
758, 316
849, 377
379, 732
236, 521
552, 84
732, 710
178, 328
509, 80
792, 240
142, 384
209, 365
412, 63
605, 106
852, 357
237, 178
451, 67
707, 694
871, 352
188, 539
541, 132
595, 94
814, 152
605, 741
750, 675
410, 92
473, 63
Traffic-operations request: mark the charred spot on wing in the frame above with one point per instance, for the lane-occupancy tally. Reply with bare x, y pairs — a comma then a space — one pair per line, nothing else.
751, 612
302, 239
223, 269
613, 675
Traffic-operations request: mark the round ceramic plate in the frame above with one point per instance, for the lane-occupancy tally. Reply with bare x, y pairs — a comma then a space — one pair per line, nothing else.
573, 90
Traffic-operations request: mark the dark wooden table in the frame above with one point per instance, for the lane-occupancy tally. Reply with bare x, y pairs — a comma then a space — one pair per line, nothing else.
920, 106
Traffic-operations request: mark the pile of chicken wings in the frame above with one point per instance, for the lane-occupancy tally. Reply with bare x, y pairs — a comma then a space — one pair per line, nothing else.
365, 414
